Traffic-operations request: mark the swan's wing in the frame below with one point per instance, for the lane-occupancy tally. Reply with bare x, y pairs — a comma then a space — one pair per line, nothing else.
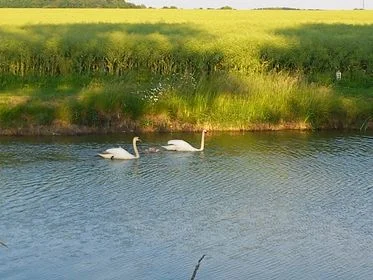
115, 150
105, 155
170, 148
119, 153
179, 145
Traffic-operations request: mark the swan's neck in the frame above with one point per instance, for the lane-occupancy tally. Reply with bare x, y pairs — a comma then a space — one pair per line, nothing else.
202, 141
135, 149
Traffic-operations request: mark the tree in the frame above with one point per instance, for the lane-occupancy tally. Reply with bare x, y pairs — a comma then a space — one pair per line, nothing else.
226, 8
68, 4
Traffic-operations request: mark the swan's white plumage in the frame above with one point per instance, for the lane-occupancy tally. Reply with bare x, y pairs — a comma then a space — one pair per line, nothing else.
183, 146
179, 145
120, 153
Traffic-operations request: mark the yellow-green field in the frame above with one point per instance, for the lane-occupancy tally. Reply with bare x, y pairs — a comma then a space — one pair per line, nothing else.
204, 18
153, 69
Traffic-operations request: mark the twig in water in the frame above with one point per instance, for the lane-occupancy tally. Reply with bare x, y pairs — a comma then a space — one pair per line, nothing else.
197, 267
3, 244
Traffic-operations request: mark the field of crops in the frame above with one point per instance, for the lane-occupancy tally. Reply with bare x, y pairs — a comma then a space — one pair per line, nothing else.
150, 69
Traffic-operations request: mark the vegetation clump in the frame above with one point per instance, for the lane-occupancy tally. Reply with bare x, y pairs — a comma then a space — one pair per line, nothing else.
161, 70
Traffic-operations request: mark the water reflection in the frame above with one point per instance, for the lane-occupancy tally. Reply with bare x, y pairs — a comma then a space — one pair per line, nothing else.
259, 205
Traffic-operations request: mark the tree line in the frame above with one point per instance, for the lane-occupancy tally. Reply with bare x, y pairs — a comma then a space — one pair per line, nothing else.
69, 4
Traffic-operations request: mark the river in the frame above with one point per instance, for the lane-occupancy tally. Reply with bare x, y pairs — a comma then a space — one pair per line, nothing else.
263, 205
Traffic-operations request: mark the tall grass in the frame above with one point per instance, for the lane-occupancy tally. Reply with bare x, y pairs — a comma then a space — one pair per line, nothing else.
159, 68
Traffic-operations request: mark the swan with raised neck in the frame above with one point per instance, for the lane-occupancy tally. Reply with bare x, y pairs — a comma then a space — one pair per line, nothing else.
120, 153
183, 146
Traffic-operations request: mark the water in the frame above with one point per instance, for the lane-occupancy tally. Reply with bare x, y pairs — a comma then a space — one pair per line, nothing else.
259, 205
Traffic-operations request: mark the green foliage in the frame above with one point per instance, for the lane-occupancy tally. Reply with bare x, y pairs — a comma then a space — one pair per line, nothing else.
319, 50
67, 4
315, 51
103, 49
32, 113
162, 73
226, 8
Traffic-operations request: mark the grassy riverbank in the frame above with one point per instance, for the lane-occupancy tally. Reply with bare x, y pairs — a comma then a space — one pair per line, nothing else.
72, 71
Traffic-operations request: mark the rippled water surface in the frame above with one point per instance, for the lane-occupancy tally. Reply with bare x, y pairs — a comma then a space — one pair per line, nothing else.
259, 205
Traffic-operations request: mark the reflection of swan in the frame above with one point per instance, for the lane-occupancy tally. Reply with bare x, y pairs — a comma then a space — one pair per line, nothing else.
182, 146
120, 153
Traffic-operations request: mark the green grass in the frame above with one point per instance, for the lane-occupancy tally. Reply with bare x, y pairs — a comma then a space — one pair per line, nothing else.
156, 69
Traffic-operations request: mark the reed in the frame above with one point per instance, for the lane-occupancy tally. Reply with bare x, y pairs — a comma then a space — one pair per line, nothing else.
157, 68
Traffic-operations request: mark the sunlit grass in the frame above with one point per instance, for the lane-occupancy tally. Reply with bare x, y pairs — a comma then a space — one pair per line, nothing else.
217, 69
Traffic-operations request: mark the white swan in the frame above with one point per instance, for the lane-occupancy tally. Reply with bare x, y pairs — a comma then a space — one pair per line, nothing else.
182, 146
120, 153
